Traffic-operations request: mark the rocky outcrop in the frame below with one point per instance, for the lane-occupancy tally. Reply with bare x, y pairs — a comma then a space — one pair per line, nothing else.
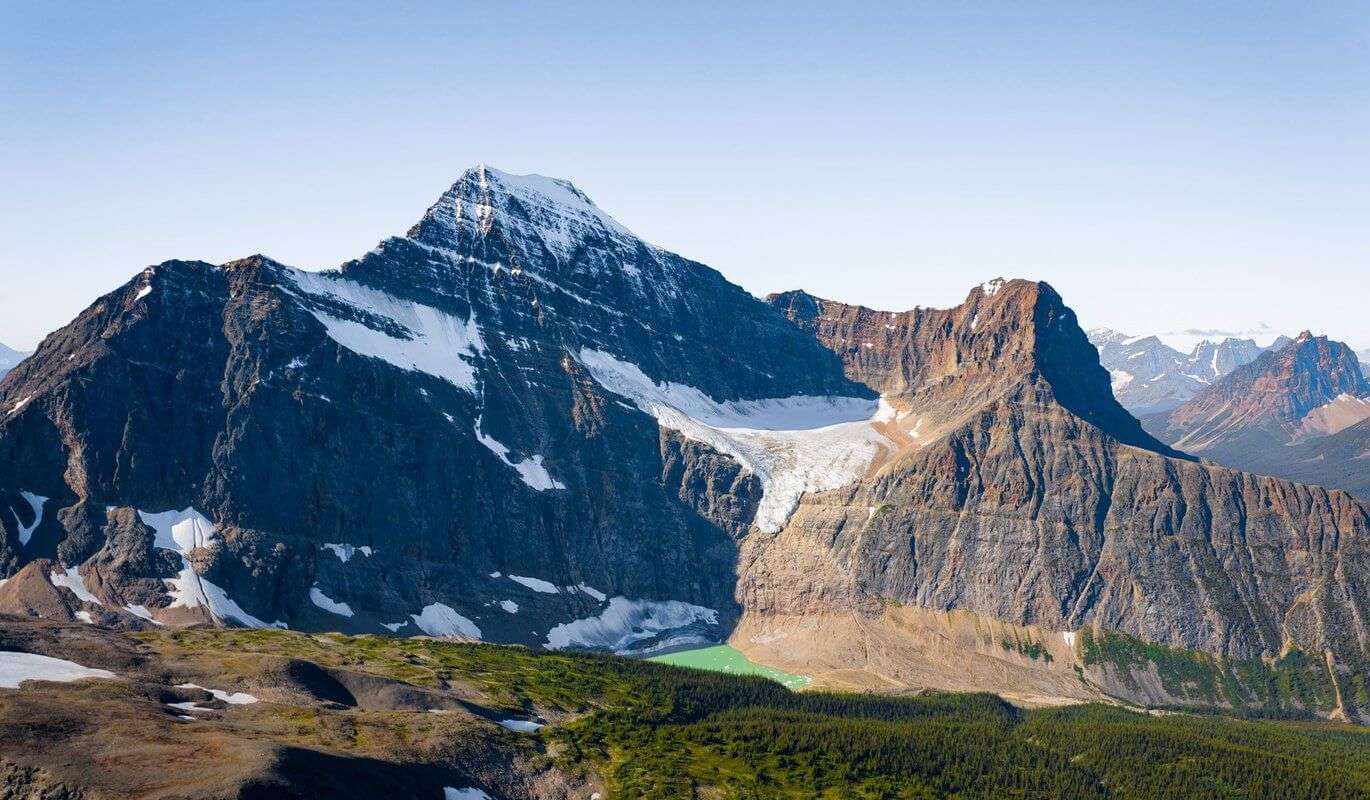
1037, 501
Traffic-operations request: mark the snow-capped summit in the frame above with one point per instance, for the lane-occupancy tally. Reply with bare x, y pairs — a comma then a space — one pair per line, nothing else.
526, 210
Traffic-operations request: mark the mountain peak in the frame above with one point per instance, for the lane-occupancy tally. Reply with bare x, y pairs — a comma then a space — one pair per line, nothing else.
529, 209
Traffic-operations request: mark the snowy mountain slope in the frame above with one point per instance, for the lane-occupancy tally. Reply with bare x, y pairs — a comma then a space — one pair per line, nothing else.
433, 388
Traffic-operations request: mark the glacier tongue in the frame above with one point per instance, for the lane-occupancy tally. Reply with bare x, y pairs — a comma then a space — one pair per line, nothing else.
794, 445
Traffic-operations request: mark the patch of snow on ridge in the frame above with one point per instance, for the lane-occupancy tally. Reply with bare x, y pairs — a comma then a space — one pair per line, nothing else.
417, 338
521, 725
36, 503
232, 698
438, 619
626, 622
530, 470
344, 552
15, 668
72, 580
468, 793
536, 584
793, 445
318, 598
510, 606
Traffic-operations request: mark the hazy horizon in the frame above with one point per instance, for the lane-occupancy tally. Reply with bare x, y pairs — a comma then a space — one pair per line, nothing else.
1165, 169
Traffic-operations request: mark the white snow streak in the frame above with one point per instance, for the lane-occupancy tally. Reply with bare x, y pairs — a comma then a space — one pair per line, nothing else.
72, 580
318, 598
529, 469
437, 344
536, 584
36, 503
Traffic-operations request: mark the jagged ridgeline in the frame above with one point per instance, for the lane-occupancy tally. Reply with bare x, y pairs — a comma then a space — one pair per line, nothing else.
521, 423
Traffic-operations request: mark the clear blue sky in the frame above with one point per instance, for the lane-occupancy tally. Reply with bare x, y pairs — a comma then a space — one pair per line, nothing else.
1165, 167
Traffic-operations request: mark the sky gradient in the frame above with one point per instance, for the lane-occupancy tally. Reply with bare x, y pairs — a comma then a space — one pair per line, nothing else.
1165, 168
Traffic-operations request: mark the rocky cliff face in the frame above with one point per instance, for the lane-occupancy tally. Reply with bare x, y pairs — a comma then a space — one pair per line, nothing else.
1036, 500
521, 423
1281, 415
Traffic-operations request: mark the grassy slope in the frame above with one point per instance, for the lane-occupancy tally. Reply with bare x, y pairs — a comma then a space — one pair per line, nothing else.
656, 731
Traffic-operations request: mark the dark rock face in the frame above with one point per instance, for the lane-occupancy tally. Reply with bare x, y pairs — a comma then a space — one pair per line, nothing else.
424, 402
1294, 412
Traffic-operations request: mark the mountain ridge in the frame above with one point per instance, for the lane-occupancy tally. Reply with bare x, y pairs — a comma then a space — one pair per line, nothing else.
519, 423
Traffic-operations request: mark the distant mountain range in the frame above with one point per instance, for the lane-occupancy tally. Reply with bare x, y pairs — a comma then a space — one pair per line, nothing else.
1149, 376
9, 357
1301, 411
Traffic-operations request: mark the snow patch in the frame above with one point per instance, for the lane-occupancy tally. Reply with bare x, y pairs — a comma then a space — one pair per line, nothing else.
232, 698
529, 469
1069, 637
593, 592
36, 503
85, 617
626, 621
536, 584
394, 626
14, 409
344, 552
141, 612
510, 606
469, 793
989, 288
18, 667
72, 580
318, 598
793, 445
438, 619
406, 334
521, 725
